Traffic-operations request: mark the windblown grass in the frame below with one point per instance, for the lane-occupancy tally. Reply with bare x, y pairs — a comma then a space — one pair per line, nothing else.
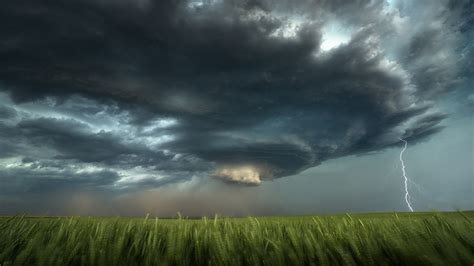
380, 239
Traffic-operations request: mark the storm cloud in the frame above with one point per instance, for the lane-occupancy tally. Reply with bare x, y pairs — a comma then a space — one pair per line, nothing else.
138, 94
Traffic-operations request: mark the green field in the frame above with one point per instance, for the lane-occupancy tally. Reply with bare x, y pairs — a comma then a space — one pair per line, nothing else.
369, 239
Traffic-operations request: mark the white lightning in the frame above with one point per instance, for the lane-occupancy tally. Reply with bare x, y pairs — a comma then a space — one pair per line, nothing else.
407, 195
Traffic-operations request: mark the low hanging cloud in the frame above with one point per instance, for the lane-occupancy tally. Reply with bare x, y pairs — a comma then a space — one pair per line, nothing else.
147, 93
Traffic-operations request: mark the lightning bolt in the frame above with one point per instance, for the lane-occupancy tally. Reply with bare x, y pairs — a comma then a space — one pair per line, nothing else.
407, 195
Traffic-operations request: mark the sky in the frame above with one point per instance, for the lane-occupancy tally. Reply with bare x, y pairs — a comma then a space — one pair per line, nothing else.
255, 107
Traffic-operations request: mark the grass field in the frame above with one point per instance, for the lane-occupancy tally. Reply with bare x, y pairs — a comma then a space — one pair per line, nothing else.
371, 239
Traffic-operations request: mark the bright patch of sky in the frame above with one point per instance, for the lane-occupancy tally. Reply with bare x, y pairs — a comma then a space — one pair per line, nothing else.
289, 28
200, 3
334, 35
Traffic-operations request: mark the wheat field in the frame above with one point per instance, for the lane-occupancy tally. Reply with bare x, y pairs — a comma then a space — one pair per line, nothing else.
365, 239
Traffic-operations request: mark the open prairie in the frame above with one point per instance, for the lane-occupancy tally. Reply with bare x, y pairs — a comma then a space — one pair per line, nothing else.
368, 239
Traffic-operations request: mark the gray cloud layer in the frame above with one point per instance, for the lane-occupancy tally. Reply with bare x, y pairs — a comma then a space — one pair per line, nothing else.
133, 94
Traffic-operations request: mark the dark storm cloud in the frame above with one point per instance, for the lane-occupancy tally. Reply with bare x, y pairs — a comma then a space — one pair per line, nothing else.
38, 177
245, 85
6, 112
72, 140
435, 52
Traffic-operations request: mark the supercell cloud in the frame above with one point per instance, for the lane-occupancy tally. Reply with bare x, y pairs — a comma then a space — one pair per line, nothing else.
134, 94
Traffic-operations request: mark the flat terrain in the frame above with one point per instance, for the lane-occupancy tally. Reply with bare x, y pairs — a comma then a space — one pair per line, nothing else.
368, 239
